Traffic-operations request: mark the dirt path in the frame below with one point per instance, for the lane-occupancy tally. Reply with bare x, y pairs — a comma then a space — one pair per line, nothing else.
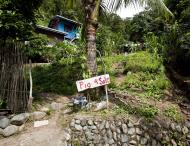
50, 135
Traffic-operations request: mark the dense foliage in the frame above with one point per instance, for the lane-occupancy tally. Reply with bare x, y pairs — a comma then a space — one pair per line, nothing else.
17, 18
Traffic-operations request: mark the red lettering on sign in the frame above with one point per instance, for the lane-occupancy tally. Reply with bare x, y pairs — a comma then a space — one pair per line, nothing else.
81, 84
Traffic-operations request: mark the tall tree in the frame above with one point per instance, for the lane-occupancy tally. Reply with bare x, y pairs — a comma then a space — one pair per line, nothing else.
17, 18
92, 10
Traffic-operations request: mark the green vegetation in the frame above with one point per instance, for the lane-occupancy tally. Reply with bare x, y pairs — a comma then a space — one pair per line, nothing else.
17, 18
57, 78
145, 75
146, 111
155, 45
3, 104
142, 61
173, 112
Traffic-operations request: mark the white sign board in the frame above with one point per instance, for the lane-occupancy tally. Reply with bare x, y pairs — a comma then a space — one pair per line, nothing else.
40, 123
93, 82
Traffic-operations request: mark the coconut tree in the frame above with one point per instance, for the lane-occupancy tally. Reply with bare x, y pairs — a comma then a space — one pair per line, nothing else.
92, 10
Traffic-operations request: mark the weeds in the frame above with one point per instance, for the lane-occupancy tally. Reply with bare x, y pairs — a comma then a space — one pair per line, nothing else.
146, 78
173, 113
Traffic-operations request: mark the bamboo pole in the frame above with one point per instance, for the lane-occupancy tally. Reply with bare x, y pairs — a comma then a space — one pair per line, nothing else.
30, 95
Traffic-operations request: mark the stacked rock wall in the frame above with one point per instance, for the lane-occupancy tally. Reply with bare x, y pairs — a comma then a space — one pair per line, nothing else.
123, 132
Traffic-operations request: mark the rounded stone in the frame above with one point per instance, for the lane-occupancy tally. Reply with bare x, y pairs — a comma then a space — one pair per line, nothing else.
1, 131
131, 131
93, 127
124, 138
185, 130
20, 119
90, 122
173, 142
124, 128
118, 130
138, 131
72, 124
113, 127
78, 127
154, 143
159, 136
115, 136
107, 125
133, 142
109, 134
110, 141
172, 126
130, 124
95, 131
101, 125
4, 122
89, 136
178, 128
10, 130
144, 141
83, 123
77, 121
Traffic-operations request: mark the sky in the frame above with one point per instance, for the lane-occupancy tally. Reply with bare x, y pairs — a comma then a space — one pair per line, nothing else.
130, 11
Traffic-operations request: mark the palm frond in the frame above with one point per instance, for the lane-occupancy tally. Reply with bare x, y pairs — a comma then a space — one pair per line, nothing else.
158, 5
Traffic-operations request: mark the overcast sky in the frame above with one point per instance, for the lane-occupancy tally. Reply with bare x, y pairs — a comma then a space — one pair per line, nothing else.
130, 11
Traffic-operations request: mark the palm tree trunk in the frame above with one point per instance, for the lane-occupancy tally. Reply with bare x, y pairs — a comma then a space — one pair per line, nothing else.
92, 10
91, 49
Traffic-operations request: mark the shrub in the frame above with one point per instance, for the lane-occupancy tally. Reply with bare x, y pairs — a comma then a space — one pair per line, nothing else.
111, 64
152, 85
173, 112
142, 61
57, 78
148, 111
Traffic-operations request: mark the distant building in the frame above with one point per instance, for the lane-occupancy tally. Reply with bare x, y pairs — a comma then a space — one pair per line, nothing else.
61, 28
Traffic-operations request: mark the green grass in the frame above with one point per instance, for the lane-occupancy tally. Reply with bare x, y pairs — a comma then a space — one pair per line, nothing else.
57, 78
151, 85
111, 64
146, 111
142, 62
173, 112
143, 72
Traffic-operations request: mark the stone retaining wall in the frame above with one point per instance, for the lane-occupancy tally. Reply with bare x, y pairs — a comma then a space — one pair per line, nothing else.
123, 132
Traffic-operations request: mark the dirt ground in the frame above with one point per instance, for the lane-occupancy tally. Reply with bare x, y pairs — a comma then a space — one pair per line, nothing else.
49, 135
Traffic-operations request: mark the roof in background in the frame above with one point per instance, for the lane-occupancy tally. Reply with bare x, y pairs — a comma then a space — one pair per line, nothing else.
51, 30
58, 16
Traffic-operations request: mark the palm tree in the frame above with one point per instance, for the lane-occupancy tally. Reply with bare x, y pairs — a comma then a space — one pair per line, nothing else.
92, 10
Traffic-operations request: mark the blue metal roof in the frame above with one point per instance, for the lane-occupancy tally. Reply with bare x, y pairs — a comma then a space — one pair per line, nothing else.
64, 18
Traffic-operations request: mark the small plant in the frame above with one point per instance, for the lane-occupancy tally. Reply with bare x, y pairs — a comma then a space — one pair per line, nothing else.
120, 110
173, 113
142, 61
148, 111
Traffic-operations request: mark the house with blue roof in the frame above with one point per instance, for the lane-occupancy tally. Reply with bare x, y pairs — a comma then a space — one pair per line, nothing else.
61, 28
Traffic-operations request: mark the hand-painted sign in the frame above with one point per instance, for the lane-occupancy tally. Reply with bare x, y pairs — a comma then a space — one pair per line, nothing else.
93, 82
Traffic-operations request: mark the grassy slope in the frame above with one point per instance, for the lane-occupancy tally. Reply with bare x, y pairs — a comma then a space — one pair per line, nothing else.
142, 75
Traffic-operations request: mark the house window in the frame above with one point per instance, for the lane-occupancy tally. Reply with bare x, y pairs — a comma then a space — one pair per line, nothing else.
68, 27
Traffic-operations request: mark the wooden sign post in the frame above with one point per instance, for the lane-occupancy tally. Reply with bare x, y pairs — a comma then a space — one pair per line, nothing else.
94, 82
